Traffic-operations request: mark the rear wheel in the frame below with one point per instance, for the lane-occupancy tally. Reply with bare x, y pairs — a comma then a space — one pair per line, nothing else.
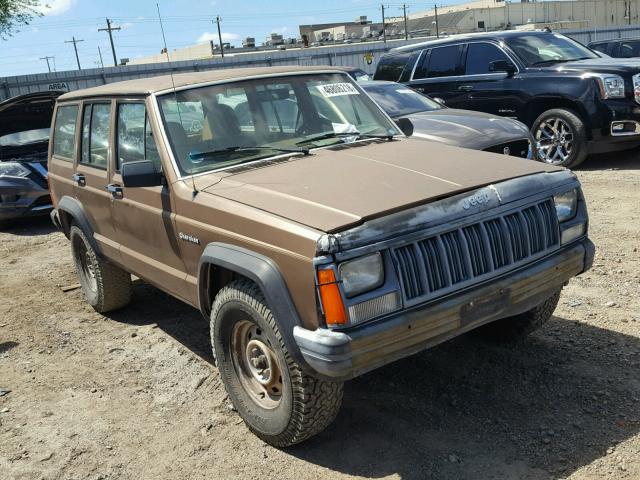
278, 401
560, 138
519, 326
105, 286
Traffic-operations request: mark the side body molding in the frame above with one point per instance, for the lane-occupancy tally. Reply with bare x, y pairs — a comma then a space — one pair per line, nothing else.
76, 211
266, 274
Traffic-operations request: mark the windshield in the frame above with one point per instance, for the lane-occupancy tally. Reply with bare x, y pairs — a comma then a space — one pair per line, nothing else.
398, 100
537, 50
213, 127
23, 138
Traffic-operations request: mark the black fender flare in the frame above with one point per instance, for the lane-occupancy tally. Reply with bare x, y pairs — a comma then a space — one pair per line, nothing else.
266, 274
75, 210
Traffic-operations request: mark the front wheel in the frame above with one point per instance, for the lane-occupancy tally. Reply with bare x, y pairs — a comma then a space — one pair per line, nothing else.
280, 403
560, 137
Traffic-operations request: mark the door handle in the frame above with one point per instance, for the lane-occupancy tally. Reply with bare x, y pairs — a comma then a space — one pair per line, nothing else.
79, 179
114, 189
465, 88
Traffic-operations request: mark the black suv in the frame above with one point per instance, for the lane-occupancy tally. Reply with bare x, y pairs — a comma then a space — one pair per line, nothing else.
574, 101
618, 48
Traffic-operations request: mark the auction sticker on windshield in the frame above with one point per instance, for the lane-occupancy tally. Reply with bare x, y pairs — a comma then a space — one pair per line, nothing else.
337, 89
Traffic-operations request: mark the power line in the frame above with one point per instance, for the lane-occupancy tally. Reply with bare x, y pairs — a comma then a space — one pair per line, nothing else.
75, 47
113, 48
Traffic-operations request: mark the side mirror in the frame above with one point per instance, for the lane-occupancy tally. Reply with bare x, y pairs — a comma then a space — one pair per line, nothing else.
405, 125
503, 66
440, 101
142, 173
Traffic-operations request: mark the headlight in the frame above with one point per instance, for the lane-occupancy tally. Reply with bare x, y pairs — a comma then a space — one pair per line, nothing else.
13, 169
361, 275
611, 86
566, 205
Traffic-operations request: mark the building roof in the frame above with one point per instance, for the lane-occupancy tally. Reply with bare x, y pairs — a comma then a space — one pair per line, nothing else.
146, 86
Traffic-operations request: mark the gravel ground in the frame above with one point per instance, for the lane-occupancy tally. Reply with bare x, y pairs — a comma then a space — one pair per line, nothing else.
134, 395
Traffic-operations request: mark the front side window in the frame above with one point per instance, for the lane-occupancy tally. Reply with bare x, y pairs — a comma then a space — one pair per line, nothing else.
440, 62
539, 50
480, 56
64, 131
629, 49
252, 119
135, 138
95, 134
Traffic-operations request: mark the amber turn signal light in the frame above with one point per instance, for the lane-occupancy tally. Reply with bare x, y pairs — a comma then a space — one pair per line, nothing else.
332, 305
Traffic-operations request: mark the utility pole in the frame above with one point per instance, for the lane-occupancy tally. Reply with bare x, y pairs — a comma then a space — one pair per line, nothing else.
220, 35
74, 41
406, 29
437, 29
113, 49
384, 29
100, 55
48, 64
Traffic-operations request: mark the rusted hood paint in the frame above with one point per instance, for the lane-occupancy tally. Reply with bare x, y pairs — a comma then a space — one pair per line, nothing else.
333, 189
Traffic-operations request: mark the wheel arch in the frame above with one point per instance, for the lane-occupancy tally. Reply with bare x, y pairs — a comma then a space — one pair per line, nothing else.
539, 105
70, 210
220, 262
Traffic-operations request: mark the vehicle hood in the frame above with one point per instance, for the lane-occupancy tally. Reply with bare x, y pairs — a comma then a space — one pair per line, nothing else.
336, 188
618, 66
27, 112
465, 128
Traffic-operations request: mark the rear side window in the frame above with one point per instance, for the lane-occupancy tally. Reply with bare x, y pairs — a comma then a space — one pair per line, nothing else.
64, 132
390, 67
95, 134
480, 56
600, 47
135, 138
440, 62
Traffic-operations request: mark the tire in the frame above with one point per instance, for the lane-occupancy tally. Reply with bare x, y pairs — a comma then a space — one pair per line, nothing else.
516, 328
560, 130
289, 406
105, 286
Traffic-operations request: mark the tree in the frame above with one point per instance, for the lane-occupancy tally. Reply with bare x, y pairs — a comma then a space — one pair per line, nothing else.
14, 13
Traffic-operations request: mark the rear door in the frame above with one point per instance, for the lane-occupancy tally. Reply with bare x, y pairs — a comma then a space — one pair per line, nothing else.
62, 151
92, 173
487, 90
143, 216
438, 74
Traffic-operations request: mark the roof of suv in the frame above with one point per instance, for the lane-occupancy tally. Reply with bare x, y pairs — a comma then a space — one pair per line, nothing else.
148, 85
498, 35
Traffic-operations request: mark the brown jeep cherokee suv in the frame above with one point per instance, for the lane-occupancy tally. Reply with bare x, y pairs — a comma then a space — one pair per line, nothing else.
318, 240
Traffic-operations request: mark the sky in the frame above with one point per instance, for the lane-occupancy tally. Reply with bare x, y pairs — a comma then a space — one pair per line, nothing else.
185, 23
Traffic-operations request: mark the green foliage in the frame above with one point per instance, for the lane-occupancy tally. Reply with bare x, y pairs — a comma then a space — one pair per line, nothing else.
14, 13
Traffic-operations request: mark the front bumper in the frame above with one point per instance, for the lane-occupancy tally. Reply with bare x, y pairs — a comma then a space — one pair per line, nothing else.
341, 355
22, 197
610, 113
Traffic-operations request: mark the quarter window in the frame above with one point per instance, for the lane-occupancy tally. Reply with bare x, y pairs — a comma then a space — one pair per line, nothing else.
135, 138
64, 132
440, 62
95, 134
480, 56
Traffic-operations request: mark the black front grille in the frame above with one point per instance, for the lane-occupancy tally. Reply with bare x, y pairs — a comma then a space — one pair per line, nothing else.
462, 256
519, 148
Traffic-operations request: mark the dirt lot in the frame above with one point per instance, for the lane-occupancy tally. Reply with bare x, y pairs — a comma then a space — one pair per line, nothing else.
135, 395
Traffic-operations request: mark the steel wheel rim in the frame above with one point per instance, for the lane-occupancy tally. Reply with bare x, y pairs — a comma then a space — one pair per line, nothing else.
256, 365
554, 141
87, 269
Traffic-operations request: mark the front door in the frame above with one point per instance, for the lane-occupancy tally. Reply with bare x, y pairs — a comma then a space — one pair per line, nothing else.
487, 90
143, 216
92, 175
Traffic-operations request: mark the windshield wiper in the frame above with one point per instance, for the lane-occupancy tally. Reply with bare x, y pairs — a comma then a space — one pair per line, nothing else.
208, 153
551, 62
327, 135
